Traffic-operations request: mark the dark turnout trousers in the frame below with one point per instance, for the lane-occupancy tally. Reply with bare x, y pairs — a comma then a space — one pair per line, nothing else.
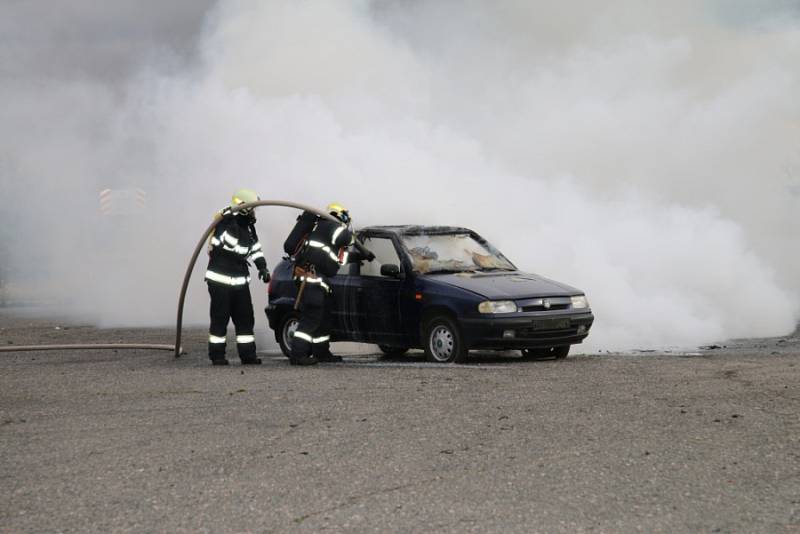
313, 330
231, 302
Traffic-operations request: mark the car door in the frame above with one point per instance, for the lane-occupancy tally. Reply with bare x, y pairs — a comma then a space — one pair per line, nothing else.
345, 310
378, 296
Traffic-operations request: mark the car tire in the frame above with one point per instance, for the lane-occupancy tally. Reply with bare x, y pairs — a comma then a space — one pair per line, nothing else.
559, 353
393, 351
287, 327
443, 341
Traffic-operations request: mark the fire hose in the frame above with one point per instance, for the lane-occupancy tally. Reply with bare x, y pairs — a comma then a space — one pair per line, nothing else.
202, 242
176, 348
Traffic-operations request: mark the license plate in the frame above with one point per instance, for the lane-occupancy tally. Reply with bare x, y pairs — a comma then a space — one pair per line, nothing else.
551, 324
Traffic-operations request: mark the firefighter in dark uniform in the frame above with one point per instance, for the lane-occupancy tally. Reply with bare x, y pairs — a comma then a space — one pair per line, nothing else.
320, 247
232, 245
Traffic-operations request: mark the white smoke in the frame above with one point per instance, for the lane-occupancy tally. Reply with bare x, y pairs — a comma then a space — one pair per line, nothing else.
648, 155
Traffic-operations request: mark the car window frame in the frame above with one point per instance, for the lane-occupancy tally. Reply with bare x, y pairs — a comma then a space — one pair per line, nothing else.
347, 270
406, 256
398, 249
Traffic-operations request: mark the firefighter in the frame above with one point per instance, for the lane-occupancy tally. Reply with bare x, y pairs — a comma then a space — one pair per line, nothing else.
232, 245
319, 247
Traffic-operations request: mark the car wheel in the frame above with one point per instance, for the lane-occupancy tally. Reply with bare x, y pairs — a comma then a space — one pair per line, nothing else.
393, 351
287, 329
443, 341
559, 353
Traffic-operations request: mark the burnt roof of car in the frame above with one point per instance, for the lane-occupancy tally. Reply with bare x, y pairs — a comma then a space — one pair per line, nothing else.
409, 229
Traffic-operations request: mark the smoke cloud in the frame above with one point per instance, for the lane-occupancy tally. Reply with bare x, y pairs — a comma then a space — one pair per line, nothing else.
649, 155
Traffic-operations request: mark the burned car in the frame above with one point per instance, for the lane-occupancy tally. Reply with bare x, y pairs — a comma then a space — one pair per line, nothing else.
445, 290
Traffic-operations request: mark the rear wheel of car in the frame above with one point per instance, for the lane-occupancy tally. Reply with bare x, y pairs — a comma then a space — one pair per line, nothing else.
443, 341
559, 353
393, 351
288, 326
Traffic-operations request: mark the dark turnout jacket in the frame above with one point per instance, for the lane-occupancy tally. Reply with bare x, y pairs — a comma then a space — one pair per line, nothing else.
320, 243
233, 244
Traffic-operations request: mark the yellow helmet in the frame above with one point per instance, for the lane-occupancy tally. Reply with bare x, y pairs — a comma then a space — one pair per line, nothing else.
339, 211
244, 196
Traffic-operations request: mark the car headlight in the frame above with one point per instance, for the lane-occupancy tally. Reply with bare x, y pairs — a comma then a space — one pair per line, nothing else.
579, 302
497, 306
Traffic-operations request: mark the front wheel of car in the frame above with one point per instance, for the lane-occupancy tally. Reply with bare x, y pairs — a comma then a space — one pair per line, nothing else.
288, 326
443, 341
559, 353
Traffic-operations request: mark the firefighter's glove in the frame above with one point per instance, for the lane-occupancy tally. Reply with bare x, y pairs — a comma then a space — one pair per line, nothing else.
369, 256
263, 274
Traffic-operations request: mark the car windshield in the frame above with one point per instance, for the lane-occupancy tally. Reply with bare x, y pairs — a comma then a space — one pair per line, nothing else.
452, 253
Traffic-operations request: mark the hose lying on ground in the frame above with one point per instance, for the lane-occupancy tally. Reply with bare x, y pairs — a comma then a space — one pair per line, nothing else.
79, 346
176, 348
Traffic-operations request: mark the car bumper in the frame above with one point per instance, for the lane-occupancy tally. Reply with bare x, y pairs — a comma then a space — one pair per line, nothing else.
275, 312
529, 331
270, 311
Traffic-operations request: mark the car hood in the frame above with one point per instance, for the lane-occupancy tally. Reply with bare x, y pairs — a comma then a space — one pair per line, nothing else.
506, 285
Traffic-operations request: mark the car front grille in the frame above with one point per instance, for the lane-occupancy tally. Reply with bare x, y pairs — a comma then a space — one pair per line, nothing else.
531, 333
544, 327
544, 304
541, 307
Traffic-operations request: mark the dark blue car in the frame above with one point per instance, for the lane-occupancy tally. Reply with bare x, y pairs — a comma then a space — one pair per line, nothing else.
445, 290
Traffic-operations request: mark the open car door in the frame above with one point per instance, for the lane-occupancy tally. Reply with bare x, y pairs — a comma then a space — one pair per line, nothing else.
346, 311
377, 296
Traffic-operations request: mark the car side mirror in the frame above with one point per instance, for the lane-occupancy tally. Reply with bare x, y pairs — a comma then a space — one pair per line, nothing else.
391, 270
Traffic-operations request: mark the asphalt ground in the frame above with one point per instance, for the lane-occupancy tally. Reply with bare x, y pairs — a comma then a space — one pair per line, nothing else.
137, 441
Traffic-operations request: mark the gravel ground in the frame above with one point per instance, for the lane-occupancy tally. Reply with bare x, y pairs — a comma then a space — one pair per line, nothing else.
136, 441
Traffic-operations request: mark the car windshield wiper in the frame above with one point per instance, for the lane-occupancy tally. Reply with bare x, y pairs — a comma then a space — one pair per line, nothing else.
490, 269
449, 271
